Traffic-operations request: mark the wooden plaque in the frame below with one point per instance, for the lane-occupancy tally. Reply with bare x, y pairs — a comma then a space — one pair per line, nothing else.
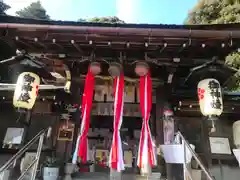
66, 131
65, 135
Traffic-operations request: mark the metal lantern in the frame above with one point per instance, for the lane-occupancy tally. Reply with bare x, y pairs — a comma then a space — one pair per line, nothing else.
210, 97
67, 86
26, 90
141, 68
115, 69
95, 68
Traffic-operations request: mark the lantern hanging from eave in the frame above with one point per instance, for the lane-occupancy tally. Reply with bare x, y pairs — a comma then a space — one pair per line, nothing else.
141, 68
115, 69
95, 68
26, 90
210, 97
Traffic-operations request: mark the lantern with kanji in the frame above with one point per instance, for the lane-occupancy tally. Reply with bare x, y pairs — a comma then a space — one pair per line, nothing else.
210, 97
26, 90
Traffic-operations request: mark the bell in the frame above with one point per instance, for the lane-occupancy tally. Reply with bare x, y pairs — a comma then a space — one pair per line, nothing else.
115, 69
141, 68
95, 68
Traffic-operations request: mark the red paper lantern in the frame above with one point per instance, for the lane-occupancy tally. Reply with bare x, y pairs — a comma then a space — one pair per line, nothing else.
95, 68
141, 68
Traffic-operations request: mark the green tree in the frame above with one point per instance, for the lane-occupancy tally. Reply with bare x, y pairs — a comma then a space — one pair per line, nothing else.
109, 19
34, 11
3, 7
218, 12
214, 12
81, 20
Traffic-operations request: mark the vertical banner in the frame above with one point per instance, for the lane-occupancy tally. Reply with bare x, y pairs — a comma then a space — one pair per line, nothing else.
146, 154
116, 154
82, 145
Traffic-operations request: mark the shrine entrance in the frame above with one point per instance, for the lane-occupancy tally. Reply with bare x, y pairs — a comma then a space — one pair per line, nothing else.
115, 94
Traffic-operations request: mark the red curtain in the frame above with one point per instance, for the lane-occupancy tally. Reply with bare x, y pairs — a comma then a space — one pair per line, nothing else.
116, 153
82, 145
146, 154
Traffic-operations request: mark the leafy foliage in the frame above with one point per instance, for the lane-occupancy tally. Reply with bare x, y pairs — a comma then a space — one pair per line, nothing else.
3, 7
34, 11
233, 60
110, 19
52, 162
81, 20
219, 12
229, 14
214, 12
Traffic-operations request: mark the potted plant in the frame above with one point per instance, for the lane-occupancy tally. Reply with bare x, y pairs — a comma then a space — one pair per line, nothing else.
51, 168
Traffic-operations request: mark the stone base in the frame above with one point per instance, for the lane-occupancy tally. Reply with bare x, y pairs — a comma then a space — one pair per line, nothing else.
115, 175
69, 168
5, 175
153, 176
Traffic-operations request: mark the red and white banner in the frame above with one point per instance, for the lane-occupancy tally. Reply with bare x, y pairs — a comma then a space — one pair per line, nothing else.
116, 160
81, 149
146, 154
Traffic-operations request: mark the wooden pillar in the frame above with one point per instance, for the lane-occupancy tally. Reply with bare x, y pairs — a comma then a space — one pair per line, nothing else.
160, 102
76, 98
26, 124
66, 148
205, 142
153, 122
163, 94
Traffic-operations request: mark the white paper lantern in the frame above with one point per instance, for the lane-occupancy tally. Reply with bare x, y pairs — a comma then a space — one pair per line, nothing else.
236, 133
210, 97
26, 90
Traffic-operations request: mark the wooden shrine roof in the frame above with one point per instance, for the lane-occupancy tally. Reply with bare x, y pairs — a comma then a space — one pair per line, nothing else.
106, 40
159, 45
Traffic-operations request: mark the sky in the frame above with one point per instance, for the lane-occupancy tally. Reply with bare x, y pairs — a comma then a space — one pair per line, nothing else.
130, 11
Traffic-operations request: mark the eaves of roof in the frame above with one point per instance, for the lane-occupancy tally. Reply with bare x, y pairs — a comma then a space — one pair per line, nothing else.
18, 20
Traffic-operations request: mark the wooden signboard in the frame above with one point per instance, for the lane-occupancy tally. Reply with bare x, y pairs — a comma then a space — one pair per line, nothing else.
219, 145
128, 158
102, 156
106, 109
65, 135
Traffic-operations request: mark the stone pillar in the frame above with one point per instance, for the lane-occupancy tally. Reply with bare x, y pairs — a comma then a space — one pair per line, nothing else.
115, 175
68, 169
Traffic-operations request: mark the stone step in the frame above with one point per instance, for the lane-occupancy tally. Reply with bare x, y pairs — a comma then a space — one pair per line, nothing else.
106, 176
